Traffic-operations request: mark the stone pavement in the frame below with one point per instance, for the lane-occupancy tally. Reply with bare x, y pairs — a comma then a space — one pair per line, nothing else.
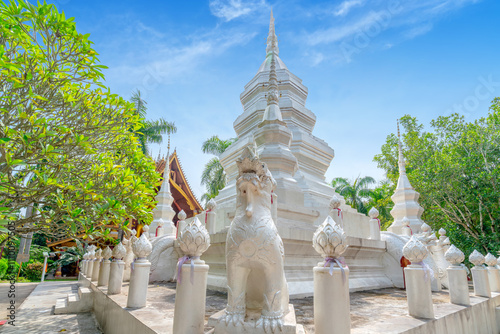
36, 313
22, 291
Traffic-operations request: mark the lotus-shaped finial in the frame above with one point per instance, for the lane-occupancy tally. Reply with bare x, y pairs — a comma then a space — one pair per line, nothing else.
142, 247
98, 254
335, 202
107, 253
211, 205
329, 239
415, 251
119, 251
92, 254
490, 260
454, 255
181, 215
405, 222
373, 213
476, 258
442, 232
194, 239
425, 227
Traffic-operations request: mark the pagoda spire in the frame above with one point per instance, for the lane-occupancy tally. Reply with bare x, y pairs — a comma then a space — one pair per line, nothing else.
272, 39
272, 113
401, 160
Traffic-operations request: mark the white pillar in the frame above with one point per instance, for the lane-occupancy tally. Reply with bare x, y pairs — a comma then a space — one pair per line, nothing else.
457, 276
189, 314
95, 270
210, 223
493, 278
90, 269
138, 287
116, 277
374, 224
418, 292
418, 280
104, 273
181, 224
458, 285
331, 315
116, 270
139, 276
481, 282
479, 275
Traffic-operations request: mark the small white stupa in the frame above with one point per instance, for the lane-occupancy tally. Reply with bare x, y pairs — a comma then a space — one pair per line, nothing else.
163, 212
405, 200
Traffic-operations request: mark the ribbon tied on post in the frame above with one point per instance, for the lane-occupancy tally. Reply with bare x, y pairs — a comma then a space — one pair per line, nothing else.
181, 262
428, 272
340, 261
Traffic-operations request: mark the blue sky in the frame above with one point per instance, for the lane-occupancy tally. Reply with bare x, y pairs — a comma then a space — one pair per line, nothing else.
366, 63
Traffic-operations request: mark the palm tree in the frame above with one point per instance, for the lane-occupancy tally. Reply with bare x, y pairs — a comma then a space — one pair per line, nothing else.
151, 131
380, 198
213, 176
354, 193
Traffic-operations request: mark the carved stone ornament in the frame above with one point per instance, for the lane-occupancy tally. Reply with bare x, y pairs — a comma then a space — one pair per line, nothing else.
442, 232
405, 222
425, 227
329, 239
194, 239
181, 215
86, 256
98, 254
335, 202
119, 251
92, 255
142, 247
454, 255
107, 253
490, 260
211, 205
161, 222
146, 228
373, 213
415, 251
476, 258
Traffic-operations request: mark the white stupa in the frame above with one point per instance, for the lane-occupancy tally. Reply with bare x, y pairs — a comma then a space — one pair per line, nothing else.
277, 125
405, 200
163, 212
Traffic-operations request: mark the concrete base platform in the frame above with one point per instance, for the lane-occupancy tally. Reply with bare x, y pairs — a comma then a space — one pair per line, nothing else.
249, 327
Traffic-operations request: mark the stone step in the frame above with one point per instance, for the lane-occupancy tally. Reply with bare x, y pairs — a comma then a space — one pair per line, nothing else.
61, 306
83, 290
73, 298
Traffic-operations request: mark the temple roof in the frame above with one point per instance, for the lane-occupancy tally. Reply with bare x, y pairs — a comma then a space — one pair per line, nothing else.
184, 199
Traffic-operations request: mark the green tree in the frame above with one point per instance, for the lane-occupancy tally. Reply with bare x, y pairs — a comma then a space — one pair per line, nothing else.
380, 198
213, 175
355, 193
151, 131
455, 167
65, 146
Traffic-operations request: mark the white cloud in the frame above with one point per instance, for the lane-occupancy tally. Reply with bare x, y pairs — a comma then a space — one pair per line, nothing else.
231, 9
346, 6
418, 30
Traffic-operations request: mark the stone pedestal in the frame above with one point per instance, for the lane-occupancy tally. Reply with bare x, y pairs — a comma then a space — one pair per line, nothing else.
481, 282
138, 288
331, 315
95, 271
90, 269
159, 231
458, 285
210, 222
249, 326
116, 277
104, 273
83, 271
189, 315
418, 292
494, 279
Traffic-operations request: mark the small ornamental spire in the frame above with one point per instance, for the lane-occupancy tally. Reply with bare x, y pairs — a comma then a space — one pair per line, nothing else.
272, 39
401, 162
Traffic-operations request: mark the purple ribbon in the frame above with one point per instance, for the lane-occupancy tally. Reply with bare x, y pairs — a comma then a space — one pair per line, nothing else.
428, 272
340, 261
181, 262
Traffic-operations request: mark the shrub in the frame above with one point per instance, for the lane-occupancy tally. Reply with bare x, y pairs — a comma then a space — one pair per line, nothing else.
3, 267
33, 271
